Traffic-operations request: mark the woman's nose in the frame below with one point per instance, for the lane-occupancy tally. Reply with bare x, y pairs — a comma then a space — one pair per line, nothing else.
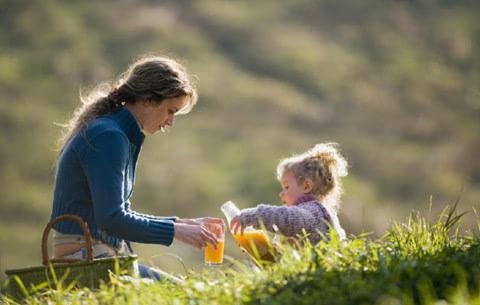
171, 121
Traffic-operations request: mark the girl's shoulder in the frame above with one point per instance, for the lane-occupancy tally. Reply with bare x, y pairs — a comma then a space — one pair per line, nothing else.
318, 207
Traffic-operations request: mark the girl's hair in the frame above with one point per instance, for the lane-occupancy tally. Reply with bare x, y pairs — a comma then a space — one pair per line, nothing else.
324, 166
151, 78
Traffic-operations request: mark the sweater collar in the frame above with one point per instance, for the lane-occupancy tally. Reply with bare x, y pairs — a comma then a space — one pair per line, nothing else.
129, 125
305, 198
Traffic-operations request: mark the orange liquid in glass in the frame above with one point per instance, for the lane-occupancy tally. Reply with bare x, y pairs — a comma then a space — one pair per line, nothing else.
212, 256
259, 241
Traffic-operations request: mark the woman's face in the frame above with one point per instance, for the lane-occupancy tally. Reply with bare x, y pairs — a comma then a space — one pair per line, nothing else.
156, 117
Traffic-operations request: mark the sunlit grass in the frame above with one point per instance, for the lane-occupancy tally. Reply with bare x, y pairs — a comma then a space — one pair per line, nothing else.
415, 262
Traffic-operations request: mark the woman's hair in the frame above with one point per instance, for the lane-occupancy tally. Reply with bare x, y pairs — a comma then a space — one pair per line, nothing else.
324, 166
151, 78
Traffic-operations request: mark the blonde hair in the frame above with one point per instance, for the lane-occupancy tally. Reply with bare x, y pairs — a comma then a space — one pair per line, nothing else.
151, 78
324, 166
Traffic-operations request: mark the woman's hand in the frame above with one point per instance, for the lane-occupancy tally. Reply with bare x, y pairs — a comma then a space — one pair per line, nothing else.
194, 234
201, 221
236, 225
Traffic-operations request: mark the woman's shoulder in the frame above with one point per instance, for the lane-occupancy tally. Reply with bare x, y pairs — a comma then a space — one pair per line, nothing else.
101, 125
98, 131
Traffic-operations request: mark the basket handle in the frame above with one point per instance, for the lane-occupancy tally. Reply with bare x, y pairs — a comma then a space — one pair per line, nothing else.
86, 234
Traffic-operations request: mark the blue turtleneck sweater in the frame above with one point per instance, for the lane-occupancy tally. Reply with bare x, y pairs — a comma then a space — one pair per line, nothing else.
95, 179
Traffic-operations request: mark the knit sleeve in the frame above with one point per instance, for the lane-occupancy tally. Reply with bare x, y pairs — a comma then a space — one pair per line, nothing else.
104, 162
289, 221
172, 218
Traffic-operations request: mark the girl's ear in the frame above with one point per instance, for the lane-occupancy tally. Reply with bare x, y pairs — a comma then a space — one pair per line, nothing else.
307, 186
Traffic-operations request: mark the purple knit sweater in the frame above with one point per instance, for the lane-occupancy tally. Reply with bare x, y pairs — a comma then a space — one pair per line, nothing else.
307, 214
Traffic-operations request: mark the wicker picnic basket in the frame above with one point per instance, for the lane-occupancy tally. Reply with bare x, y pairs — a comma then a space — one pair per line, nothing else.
67, 272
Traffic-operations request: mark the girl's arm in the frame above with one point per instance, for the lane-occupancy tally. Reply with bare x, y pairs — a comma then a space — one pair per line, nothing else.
289, 221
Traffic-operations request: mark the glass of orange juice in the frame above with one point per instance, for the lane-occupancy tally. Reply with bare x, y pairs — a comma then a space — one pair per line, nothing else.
215, 256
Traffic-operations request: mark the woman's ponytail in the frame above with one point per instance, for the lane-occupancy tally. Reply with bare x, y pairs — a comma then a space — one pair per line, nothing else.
100, 101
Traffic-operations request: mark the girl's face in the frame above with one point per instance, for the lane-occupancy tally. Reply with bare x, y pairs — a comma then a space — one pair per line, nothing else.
159, 116
291, 189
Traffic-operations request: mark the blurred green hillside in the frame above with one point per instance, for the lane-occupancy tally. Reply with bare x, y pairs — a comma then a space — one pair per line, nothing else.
396, 83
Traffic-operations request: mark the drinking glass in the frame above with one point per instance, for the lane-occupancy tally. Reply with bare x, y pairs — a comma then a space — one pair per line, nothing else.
215, 256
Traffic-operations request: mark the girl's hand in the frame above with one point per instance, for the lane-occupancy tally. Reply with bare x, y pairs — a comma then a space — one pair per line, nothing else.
195, 235
236, 225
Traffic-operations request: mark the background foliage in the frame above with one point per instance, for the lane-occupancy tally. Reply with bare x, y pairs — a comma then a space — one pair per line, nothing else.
396, 83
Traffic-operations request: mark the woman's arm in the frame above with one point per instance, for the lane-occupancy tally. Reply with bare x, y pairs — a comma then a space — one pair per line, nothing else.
104, 161
172, 218
201, 220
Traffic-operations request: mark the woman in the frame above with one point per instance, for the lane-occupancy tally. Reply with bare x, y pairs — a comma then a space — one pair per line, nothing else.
96, 166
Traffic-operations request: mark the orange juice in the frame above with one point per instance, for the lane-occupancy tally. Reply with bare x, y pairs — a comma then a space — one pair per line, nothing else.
256, 240
212, 256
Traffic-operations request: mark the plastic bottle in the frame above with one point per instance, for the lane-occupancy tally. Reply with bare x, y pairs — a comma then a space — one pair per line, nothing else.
255, 242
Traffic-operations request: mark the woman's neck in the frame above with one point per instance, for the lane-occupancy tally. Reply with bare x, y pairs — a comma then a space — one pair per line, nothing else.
136, 112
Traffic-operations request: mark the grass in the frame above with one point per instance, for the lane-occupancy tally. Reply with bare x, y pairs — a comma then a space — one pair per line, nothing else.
416, 262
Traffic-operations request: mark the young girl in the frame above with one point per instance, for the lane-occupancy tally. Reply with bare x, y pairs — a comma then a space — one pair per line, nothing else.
311, 191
